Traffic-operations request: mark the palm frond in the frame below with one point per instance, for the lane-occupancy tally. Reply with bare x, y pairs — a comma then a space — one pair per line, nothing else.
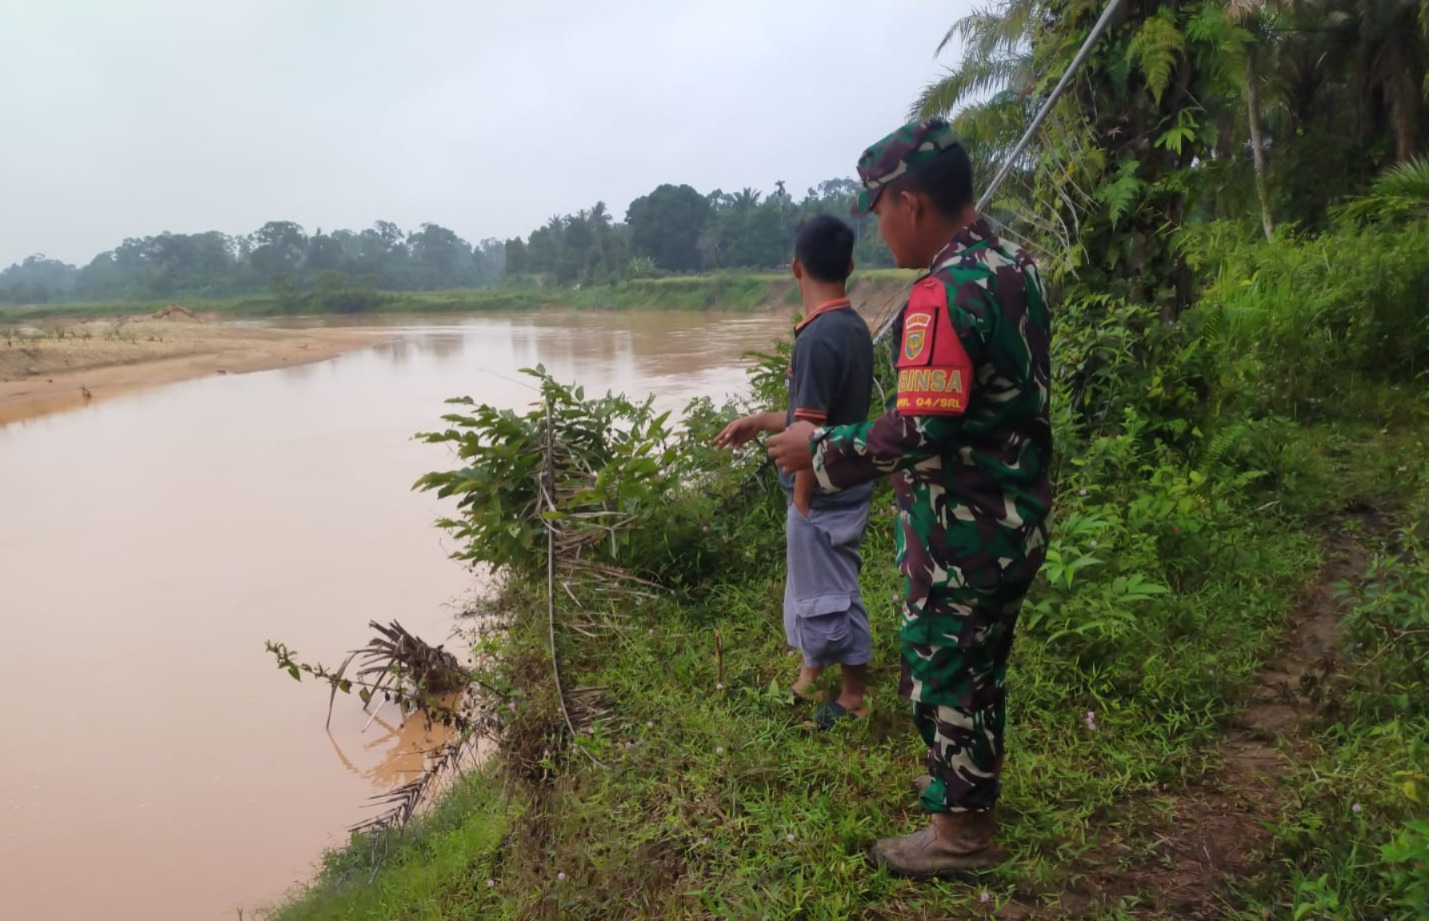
1000, 29
992, 75
1400, 192
989, 130
1408, 181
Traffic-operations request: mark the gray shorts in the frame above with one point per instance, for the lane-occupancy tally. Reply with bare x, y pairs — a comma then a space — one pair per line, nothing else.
824, 616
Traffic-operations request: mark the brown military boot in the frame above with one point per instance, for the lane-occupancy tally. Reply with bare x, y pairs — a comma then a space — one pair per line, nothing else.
954, 845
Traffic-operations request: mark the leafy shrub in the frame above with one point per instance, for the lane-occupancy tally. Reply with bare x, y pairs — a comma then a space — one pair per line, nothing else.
658, 497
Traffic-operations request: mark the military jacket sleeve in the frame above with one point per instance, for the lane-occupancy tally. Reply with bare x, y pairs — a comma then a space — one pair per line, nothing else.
940, 344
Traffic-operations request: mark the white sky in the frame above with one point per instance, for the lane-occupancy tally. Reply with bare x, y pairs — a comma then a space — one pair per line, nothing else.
122, 119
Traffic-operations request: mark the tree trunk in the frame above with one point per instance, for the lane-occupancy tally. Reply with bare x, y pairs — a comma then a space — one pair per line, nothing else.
1257, 143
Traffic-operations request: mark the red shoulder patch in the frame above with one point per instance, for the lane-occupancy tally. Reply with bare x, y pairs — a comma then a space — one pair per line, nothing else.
934, 371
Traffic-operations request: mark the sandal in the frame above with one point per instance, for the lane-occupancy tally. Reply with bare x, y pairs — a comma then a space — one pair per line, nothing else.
829, 714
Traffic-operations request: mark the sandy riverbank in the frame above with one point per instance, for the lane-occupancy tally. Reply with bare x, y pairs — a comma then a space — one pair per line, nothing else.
55, 365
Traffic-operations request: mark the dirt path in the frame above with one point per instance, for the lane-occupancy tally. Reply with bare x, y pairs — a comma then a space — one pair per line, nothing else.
58, 365
1216, 831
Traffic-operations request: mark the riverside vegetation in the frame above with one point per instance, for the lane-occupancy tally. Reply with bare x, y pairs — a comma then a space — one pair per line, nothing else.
1212, 478
726, 291
1218, 704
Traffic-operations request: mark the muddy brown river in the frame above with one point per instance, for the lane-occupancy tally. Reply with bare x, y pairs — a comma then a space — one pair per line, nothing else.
154, 763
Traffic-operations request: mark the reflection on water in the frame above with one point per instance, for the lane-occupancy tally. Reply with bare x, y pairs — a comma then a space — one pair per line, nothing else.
150, 544
395, 752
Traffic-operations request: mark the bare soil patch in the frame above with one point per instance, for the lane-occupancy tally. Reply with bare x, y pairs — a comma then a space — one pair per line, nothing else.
57, 365
1191, 844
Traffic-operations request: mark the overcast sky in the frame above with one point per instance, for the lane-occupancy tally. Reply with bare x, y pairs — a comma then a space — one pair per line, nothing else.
124, 119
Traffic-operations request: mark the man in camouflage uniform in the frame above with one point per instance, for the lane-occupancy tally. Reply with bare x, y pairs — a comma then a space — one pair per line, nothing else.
968, 443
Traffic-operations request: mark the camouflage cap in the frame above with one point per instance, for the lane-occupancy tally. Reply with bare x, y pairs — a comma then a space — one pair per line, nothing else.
895, 155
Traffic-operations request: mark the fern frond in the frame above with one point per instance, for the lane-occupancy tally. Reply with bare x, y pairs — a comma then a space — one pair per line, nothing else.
1154, 51
1121, 193
1220, 446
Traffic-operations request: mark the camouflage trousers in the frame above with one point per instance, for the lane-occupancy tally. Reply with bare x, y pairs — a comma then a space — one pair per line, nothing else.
955, 674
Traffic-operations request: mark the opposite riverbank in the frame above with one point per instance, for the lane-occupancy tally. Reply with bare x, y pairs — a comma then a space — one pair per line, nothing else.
56, 364
725, 291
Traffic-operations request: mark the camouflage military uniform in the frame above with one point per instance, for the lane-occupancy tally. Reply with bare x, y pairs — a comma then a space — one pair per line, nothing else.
973, 495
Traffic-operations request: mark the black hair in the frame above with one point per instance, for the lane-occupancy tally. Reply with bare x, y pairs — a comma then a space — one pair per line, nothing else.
824, 244
946, 180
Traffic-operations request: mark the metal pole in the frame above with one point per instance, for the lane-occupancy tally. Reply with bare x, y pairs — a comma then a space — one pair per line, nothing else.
1056, 94
1097, 29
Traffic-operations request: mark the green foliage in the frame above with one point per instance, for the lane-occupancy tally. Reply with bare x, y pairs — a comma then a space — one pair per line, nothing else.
1347, 306
673, 230
1354, 845
1155, 50
650, 494
437, 871
1401, 193
333, 294
1388, 626
1188, 520
1122, 191
666, 225
279, 257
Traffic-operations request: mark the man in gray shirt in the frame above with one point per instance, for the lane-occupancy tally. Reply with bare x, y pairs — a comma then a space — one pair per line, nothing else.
830, 383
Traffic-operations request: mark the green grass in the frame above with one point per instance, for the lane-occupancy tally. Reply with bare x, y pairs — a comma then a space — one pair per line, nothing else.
437, 871
711, 800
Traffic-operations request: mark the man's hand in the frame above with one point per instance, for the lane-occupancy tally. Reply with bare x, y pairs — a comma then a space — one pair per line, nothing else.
740, 431
790, 450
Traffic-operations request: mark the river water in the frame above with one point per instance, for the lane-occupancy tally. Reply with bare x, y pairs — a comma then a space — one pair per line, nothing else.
154, 763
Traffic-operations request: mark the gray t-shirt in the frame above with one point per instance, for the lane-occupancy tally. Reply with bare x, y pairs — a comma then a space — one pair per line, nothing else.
831, 383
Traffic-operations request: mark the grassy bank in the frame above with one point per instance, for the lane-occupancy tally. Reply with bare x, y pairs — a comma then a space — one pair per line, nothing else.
711, 800
729, 291
1217, 480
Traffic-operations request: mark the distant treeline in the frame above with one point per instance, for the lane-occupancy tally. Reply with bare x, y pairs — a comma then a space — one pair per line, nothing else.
672, 230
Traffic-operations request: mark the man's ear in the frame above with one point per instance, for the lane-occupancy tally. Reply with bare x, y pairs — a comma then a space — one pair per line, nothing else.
850, 270
798, 269
914, 203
